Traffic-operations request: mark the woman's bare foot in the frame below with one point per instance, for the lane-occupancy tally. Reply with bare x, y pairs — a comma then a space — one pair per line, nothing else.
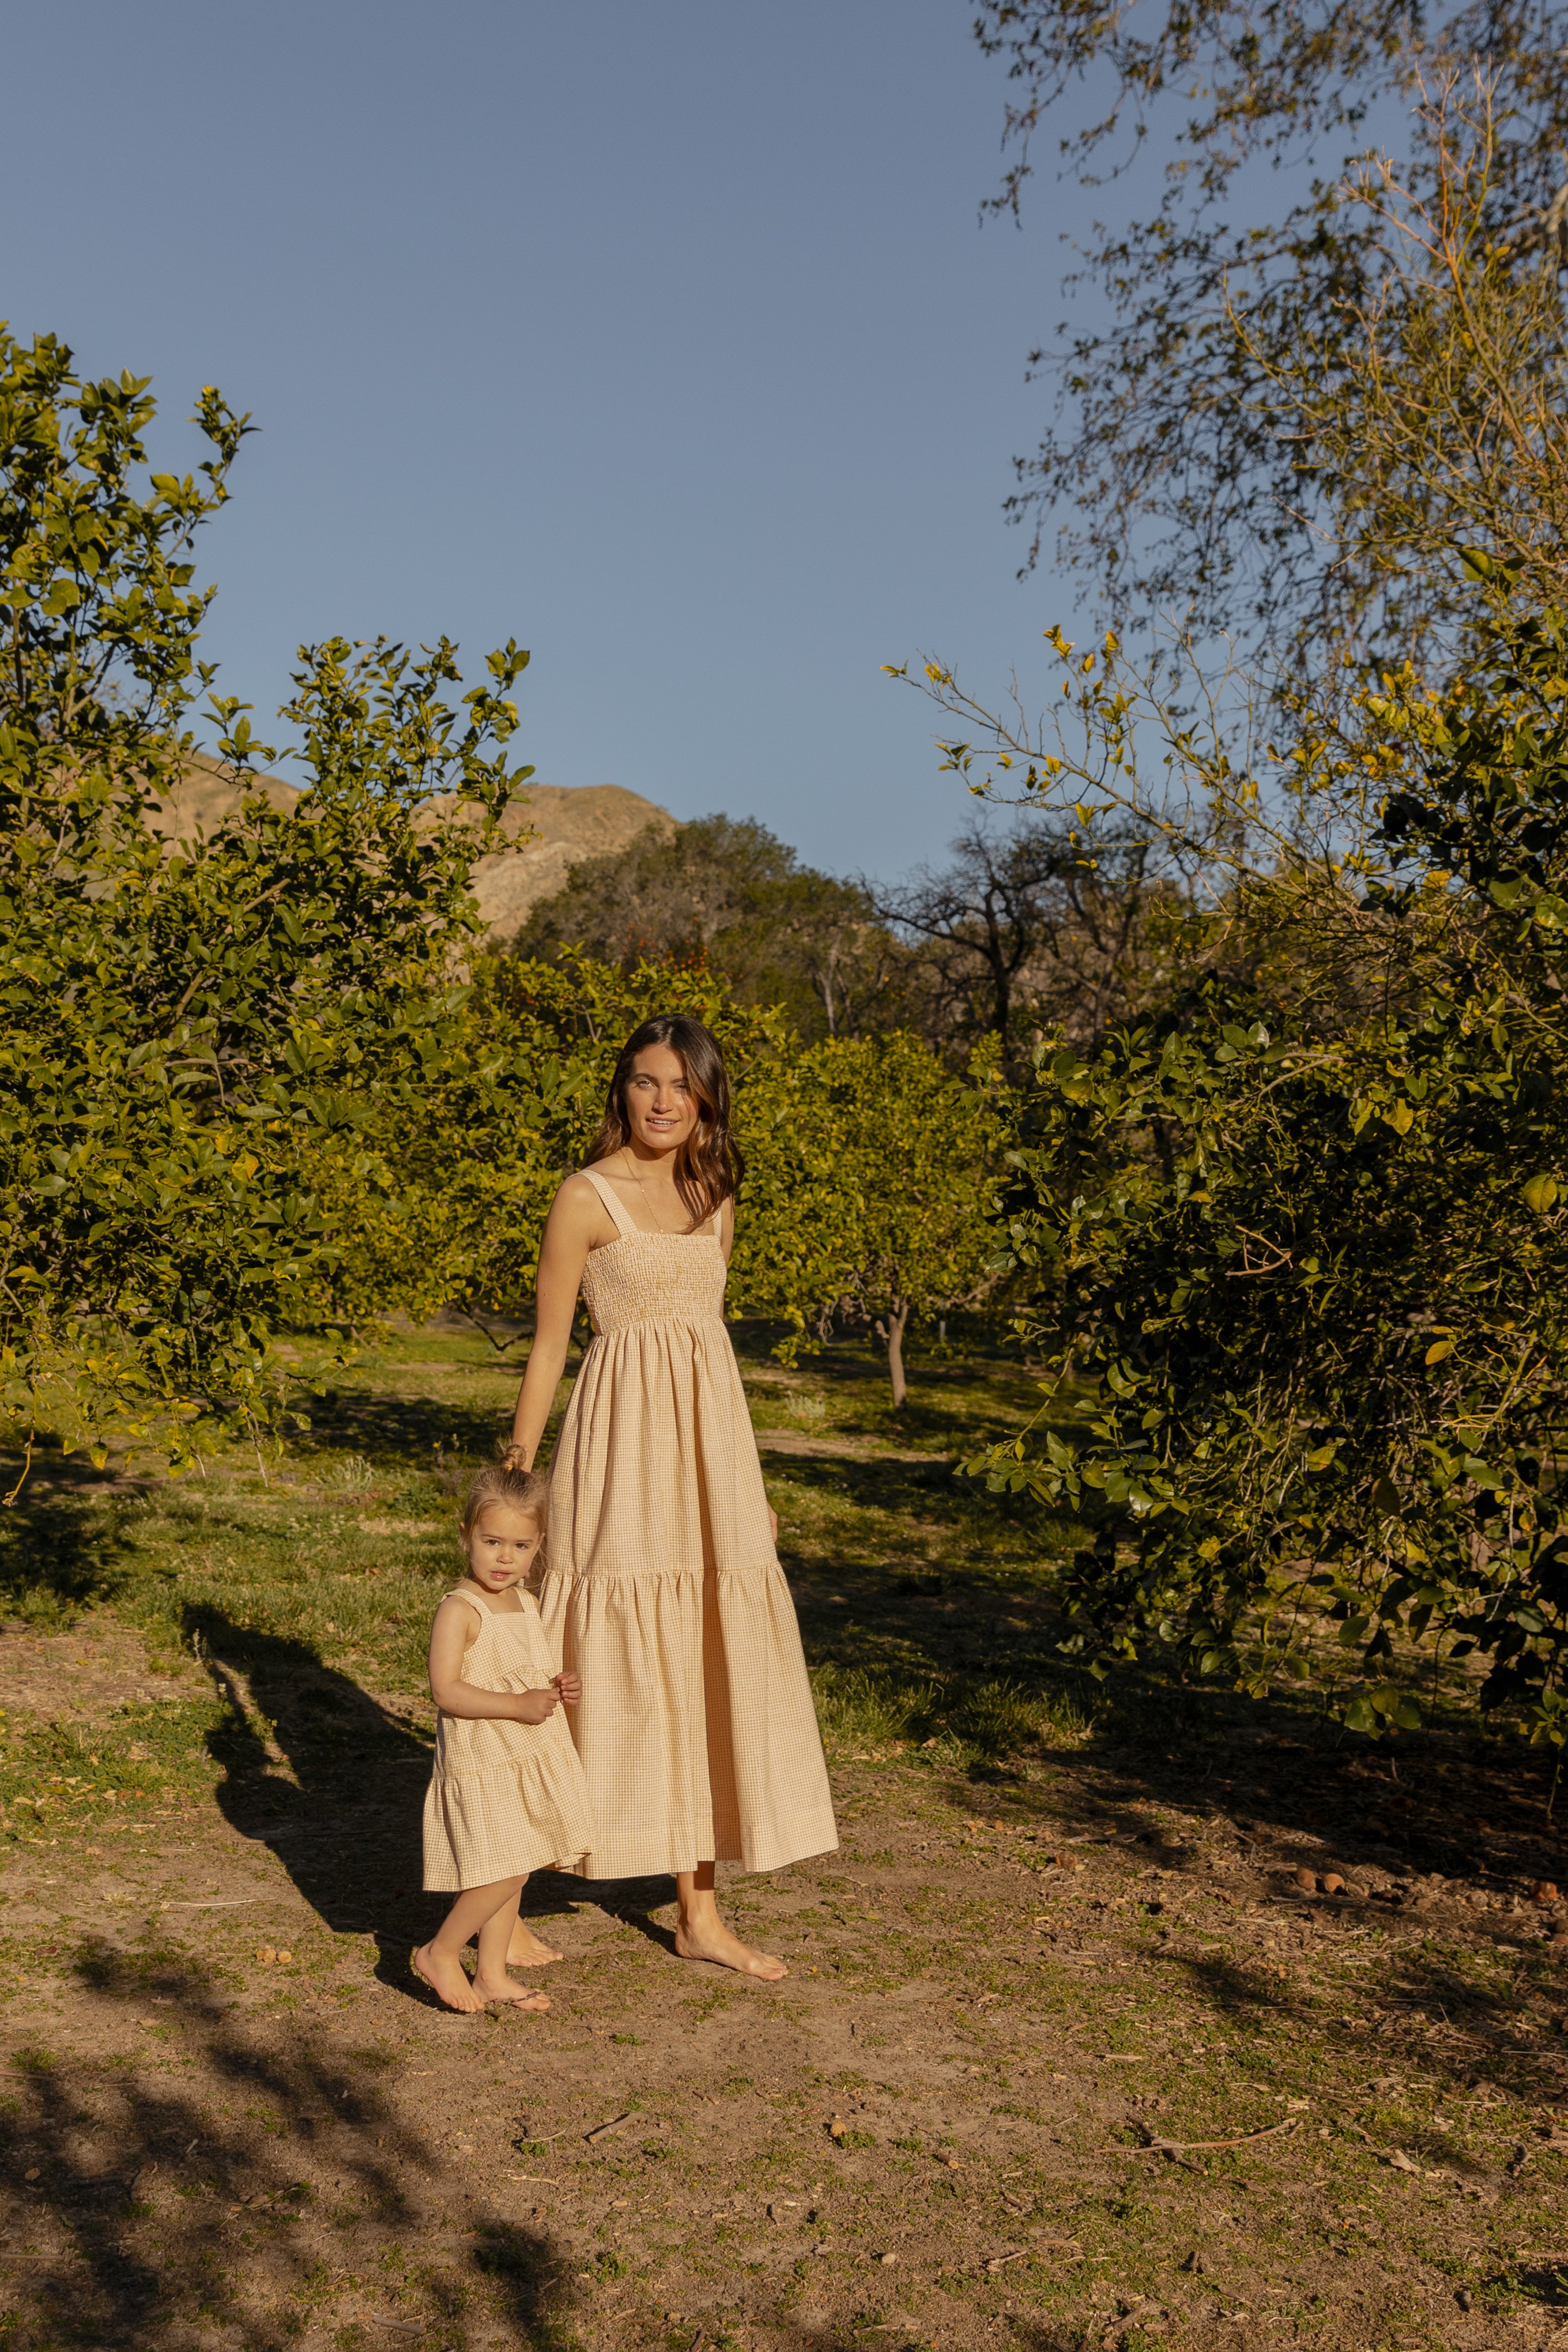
526, 1951
710, 1940
447, 1976
506, 1990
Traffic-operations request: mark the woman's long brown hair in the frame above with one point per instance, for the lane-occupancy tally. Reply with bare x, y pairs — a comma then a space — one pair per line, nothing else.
710, 1166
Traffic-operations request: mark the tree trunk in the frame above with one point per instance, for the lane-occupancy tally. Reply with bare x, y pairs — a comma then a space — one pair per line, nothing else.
889, 1329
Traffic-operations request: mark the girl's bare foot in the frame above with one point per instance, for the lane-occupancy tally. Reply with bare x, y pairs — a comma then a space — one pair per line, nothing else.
506, 1990
715, 1942
447, 1976
526, 1951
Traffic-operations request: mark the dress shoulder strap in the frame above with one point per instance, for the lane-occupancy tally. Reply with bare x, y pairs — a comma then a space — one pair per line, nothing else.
617, 1209
473, 1599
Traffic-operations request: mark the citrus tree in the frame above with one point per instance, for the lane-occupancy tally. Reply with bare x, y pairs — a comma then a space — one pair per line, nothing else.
446, 1207
183, 1026
1307, 1232
866, 1163
869, 1169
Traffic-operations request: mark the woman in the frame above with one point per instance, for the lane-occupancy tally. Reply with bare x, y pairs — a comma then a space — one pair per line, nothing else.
661, 1588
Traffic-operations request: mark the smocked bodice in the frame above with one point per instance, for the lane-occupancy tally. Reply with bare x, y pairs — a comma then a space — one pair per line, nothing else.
654, 1278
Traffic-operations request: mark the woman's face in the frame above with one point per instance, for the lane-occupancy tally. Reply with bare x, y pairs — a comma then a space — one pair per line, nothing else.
661, 1109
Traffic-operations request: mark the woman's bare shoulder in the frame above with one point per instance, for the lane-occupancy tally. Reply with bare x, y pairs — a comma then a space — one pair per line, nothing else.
578, 1186
578, 1220
576, 1198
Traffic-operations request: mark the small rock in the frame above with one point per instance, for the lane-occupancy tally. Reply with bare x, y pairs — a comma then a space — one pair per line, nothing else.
1465, 2299
1332, 1882
1306, 1880
885, 2259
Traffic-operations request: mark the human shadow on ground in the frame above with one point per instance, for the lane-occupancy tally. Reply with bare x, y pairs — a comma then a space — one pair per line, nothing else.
146, 2201
328, 1777
341, 1801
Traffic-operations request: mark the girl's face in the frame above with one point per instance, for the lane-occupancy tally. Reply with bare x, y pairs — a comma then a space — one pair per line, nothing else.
501, 1546
661, 1109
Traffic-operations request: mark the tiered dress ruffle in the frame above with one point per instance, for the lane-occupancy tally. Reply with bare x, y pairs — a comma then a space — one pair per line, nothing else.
661, 1588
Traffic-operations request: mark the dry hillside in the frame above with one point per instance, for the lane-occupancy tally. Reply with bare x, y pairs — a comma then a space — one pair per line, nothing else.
565, 823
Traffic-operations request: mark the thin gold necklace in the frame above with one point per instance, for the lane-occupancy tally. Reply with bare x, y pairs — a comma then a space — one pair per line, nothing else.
636, 1178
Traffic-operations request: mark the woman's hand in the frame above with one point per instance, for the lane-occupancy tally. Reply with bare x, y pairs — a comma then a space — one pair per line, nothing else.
577, 1215
571, 1688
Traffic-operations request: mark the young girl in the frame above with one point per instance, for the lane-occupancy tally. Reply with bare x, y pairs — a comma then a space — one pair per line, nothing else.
508, 1794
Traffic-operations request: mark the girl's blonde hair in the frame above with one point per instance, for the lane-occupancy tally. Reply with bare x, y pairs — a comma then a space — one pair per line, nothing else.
522, 1490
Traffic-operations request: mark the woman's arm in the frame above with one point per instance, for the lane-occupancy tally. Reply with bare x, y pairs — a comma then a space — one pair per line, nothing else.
452, 1636
576, 1223
727, 1243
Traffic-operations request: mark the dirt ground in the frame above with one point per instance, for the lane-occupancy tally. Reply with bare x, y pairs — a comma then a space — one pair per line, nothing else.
1082, 2047
975, 2111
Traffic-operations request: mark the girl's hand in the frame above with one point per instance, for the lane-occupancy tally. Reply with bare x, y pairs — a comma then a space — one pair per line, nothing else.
569, 1687
536, 1706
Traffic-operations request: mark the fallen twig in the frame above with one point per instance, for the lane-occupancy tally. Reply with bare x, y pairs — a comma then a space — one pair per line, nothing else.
1189, 2146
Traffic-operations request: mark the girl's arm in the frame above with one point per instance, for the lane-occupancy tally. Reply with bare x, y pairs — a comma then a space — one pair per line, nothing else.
452, 1635
577, 1222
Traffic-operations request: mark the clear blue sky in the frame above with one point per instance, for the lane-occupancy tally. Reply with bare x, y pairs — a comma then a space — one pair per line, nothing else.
665, 338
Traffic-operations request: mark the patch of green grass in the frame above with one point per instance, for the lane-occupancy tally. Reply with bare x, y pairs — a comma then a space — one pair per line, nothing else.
870, 1714
62, 1777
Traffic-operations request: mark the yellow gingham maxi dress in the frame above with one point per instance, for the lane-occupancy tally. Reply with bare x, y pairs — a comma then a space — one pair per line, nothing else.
503, 1798
661, 1588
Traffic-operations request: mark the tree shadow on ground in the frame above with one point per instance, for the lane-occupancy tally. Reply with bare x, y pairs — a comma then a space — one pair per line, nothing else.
1453, 1798
397, 1433
1452, 2030
59, 1544
143, 2207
